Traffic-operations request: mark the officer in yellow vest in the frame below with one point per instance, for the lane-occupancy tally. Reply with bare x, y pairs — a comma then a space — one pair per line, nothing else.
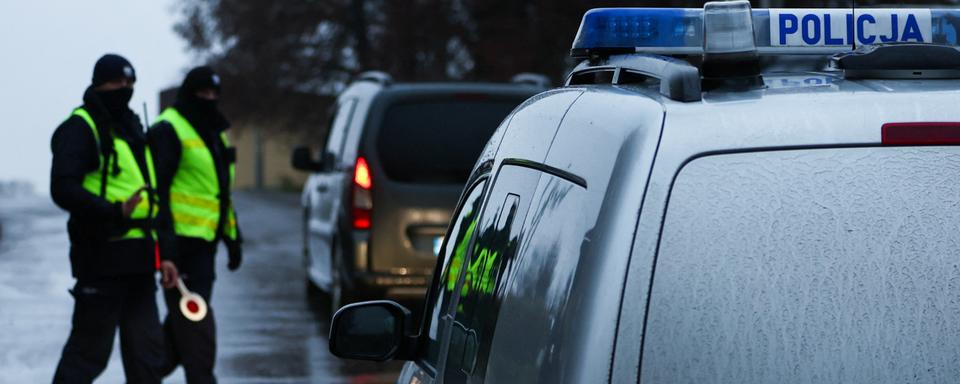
195, 171
102, 173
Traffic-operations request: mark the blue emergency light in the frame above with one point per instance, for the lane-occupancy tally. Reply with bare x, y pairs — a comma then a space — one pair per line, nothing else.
722, 26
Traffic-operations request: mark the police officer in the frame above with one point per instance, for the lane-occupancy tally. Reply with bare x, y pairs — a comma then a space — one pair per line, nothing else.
195, 168
102, 174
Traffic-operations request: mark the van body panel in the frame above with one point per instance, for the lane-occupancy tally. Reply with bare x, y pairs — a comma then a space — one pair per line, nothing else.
602, 139
844, 113
537, 128
533, 126
802, 266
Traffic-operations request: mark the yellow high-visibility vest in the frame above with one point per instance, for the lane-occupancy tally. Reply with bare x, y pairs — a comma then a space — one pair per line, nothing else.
195, 191
123, 177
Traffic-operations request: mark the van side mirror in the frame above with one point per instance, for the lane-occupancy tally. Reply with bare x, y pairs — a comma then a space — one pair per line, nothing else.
303, 160
373, 330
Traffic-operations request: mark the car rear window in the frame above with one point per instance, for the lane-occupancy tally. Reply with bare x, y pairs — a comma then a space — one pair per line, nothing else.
828, 265
438, 141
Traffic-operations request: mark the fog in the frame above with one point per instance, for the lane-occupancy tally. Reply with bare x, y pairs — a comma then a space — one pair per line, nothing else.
49, 49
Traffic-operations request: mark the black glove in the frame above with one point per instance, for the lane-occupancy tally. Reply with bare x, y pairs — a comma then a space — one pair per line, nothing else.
235, 255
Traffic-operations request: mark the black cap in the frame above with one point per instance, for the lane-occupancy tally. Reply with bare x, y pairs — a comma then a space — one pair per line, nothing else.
112, 67
197, 79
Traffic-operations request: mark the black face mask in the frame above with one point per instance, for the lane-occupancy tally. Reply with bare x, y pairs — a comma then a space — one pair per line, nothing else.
203, 114
116, 101
206, 107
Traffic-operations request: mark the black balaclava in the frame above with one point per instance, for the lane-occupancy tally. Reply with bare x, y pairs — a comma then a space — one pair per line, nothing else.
202, 113
112, 67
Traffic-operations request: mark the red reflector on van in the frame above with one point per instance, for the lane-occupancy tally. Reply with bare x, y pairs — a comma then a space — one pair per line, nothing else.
361, 218
937, 133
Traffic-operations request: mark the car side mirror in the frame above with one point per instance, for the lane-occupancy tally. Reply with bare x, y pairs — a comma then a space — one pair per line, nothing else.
373, 330
302, 159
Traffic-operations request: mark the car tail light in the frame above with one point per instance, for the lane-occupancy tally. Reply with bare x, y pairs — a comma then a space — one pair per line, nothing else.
938, 133
361, 174
362, 199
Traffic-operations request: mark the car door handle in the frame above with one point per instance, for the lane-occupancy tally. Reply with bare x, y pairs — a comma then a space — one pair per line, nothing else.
323, 188
468, 361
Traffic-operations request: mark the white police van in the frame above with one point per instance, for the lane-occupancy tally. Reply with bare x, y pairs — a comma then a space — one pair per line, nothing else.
657, 221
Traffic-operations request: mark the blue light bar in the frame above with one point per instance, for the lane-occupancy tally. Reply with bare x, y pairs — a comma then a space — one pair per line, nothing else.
814, 31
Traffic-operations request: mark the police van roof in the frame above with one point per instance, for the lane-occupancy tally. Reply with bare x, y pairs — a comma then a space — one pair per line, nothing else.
725, 41
774, 31
782, 83
791, 83
795, 109
845, 112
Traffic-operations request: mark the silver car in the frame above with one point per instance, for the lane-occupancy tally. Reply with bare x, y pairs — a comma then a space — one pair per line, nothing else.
659, 222
395, 159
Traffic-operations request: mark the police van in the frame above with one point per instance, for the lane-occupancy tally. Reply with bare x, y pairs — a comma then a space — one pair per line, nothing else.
689, 209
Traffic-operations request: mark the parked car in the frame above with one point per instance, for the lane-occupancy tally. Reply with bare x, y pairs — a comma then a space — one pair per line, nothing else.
381, 192
658, 222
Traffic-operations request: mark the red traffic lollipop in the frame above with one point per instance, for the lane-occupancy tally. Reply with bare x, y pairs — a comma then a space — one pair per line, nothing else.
192, 305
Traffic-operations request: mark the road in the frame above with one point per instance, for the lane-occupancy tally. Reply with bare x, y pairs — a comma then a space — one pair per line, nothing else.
267, 331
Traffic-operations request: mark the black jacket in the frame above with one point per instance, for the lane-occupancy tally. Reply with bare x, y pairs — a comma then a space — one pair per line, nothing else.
194, 255
93, 219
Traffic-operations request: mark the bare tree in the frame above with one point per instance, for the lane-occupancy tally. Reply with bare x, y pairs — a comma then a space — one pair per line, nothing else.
282, 61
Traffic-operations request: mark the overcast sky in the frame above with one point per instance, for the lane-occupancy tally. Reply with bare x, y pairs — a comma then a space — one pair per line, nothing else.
48, 50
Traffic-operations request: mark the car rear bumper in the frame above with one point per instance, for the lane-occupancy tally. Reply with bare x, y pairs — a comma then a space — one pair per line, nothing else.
396, 282
393, 285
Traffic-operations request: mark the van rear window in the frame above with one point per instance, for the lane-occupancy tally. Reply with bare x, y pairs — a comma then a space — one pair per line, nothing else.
438, 141
827, 265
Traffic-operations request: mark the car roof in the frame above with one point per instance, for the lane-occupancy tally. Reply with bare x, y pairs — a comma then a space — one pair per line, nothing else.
382, 91
798, 109
454, 87
811, 109
801, 82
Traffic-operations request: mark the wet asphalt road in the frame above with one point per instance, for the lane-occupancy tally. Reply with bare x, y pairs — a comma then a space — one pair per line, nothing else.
267, 331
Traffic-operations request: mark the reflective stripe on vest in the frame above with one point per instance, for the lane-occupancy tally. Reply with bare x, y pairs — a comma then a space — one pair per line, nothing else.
195, 190
122, 185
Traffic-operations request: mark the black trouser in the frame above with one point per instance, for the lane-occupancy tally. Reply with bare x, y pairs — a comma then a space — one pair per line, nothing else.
192, 344
101, 305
